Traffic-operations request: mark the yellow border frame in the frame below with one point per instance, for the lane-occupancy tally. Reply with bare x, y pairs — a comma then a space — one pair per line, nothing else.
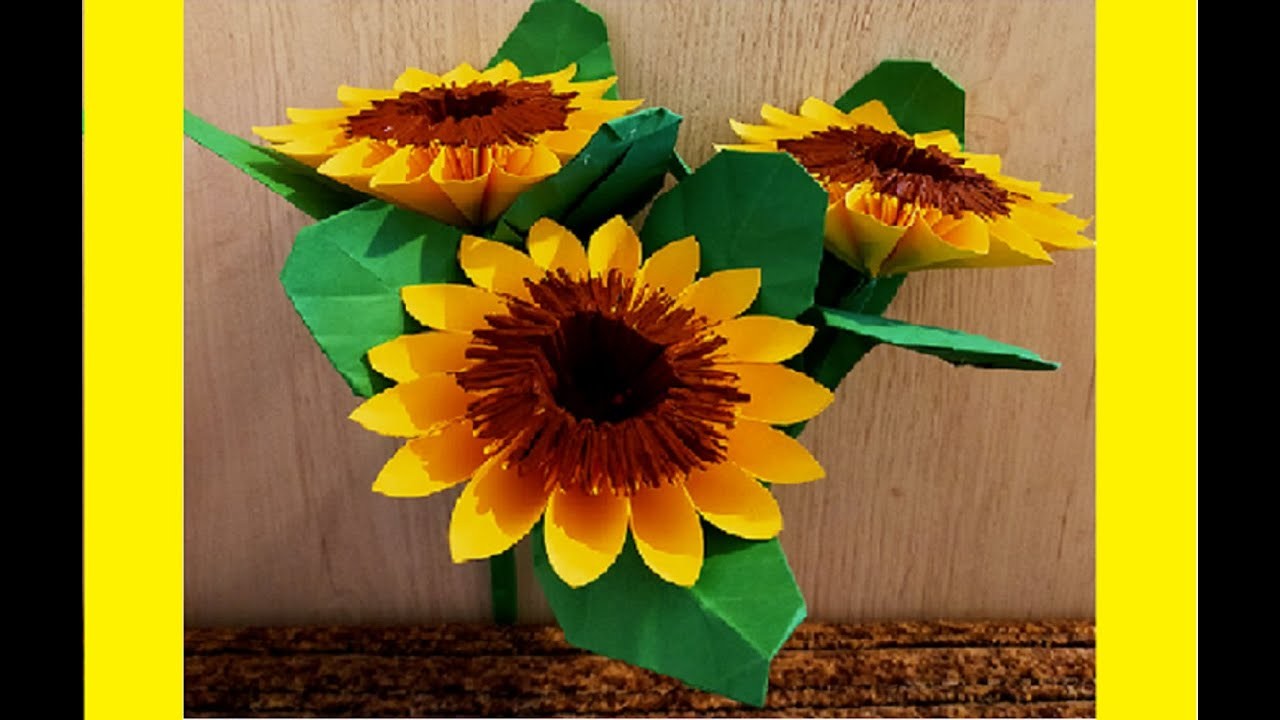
1146, 411
1146, 359
133, 359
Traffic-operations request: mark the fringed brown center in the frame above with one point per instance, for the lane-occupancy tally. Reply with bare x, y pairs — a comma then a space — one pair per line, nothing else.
600, 385
476, 114
895, 166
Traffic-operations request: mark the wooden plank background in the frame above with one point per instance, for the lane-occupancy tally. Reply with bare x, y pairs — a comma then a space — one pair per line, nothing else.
951, 492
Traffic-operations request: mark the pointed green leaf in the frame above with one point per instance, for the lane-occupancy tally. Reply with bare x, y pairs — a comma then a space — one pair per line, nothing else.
618, 172
920, 97
308, 190
759, 210
554, 33
344, 276
957, 348
719, 635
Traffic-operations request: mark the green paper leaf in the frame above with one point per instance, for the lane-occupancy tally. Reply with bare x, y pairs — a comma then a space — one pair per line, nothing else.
554, 33
308, 190
957, 348
344, 276
920, 97
758, 210
719, 635
621, 168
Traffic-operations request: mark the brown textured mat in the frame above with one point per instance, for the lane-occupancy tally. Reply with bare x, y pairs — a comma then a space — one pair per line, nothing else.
894, 670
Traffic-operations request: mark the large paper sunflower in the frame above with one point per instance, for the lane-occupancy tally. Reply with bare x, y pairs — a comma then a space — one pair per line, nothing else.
900, 202
604, 393
458, 147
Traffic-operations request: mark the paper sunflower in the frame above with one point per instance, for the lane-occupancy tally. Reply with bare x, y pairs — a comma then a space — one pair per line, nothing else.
604, 393
900, 202
458, 147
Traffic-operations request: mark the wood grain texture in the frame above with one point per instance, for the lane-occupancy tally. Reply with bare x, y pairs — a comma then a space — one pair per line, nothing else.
901, 669
951, 492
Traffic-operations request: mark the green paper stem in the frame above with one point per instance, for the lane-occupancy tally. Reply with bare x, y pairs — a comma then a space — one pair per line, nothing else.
308, 190
503, 586
678, 168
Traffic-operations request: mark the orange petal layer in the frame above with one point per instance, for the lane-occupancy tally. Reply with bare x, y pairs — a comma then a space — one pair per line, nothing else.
667, 532
584, 534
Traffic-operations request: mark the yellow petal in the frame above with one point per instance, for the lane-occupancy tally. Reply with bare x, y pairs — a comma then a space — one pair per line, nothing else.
722, 295
584, 534
318, 116
944, 140
1001, 254
553, 247
403, 179
427, 465
734, 502
988, 165
920, 247
566, 143
778, 117
592, 88
463, 74
590, 114
415, 79
404, 476
357, 163
761, 133
614, 246
497, 266
356, 96
1051, 225
762, 147
872, 241
779, 395
409, 357
667, 532
672, 267
1015, 236
497, 508
532, 160
285, 133
560, 78
466, 194
823, 113
461, 308
413, 408
505, 70
770, 454
875, 114
505, 185
762, 338
313, 149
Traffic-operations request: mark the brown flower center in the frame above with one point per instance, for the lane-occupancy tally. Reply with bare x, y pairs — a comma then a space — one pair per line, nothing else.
895, 166
477, 114
601, 386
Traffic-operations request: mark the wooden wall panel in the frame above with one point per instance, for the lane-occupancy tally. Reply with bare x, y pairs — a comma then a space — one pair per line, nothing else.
951, 492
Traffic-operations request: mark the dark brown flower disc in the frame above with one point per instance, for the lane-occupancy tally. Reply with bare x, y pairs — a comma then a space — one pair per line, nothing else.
478, 114
895, 166
601, 385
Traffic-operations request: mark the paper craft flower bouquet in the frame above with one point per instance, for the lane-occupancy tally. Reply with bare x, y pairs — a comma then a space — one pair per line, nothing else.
623, 397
